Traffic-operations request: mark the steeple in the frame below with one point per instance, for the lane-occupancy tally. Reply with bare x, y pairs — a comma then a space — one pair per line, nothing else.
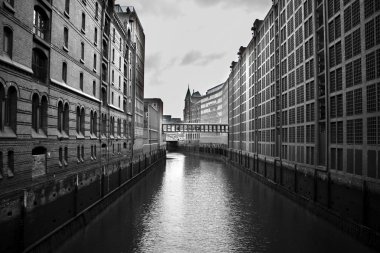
188, 94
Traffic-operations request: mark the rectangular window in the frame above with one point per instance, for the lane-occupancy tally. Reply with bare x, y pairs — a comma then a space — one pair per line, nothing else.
83, 22
94, 61
82, 51
81, 81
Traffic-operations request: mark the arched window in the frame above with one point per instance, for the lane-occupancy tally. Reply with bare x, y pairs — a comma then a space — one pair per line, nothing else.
125, 127
39, 65
82, 116
8, 41
44, 114
82, 153
66, 37
35, 112
129, 34
40, 23
64, 72
11, 109
91, 122
119, 127
66, 118
78, 120
60, 116
2, 107
95, 123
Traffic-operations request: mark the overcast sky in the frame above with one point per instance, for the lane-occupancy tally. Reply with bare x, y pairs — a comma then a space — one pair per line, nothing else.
192, 42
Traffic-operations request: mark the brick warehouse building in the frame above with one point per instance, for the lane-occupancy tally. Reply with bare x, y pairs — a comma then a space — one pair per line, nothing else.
71, 99
304, 95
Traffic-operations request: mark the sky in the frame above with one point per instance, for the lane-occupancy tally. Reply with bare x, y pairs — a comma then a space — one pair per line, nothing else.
192, 42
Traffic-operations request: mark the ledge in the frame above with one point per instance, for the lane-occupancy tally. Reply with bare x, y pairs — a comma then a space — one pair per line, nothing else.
15, 64
7, 133
9, 7
114, 107
79, 92
66, 14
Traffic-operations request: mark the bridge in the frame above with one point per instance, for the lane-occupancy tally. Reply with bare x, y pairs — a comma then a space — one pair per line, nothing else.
194, 127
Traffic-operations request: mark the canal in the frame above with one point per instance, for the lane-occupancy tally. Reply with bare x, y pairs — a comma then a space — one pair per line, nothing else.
202, 205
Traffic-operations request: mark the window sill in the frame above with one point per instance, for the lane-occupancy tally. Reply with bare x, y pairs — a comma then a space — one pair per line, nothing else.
7, 133
95, 43
42, 41
94, 70
10, 173
65, 49
93, 137
80, 136
62, 135
65, 163
82, 61
9, 7
60, 164
66, 14
38, 135
83, 31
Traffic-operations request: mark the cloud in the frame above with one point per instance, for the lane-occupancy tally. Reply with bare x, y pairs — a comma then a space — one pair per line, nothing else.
164, 8
247, 4
196, 57
155, 66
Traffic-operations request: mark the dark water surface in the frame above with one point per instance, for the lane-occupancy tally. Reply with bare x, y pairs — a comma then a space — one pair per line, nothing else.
201, 205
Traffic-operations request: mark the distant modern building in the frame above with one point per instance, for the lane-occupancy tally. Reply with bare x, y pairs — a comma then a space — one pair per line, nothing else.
214, 109
167, 119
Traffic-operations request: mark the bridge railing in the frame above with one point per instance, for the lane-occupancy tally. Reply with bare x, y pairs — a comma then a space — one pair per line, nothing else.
195, 127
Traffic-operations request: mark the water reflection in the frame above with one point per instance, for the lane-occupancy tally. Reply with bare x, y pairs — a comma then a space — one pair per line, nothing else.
200, 205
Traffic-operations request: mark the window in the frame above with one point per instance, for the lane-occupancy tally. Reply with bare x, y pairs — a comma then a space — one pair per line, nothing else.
1, 165
96, 36
66, 118
82, 116
113, 55
78, 120
104, 72
66, 38
67, 6
83, 22
94, 61
60, 116
35, 112
113, 35
81, 81
11, 165
95, 124
64, 72
94, 88
113, 77
104, 96
112, 97
91, 122
82, 52
11, 109
96, 10
8, 41
60, 157
39, 65
40, 23
65, 156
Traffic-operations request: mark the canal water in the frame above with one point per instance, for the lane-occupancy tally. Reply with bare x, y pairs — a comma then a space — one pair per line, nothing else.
202, 205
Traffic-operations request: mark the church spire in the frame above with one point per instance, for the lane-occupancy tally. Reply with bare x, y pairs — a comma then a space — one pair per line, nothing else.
188, 94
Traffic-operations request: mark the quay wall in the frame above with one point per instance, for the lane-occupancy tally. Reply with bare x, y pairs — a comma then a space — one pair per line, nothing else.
41, 217
350, 204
